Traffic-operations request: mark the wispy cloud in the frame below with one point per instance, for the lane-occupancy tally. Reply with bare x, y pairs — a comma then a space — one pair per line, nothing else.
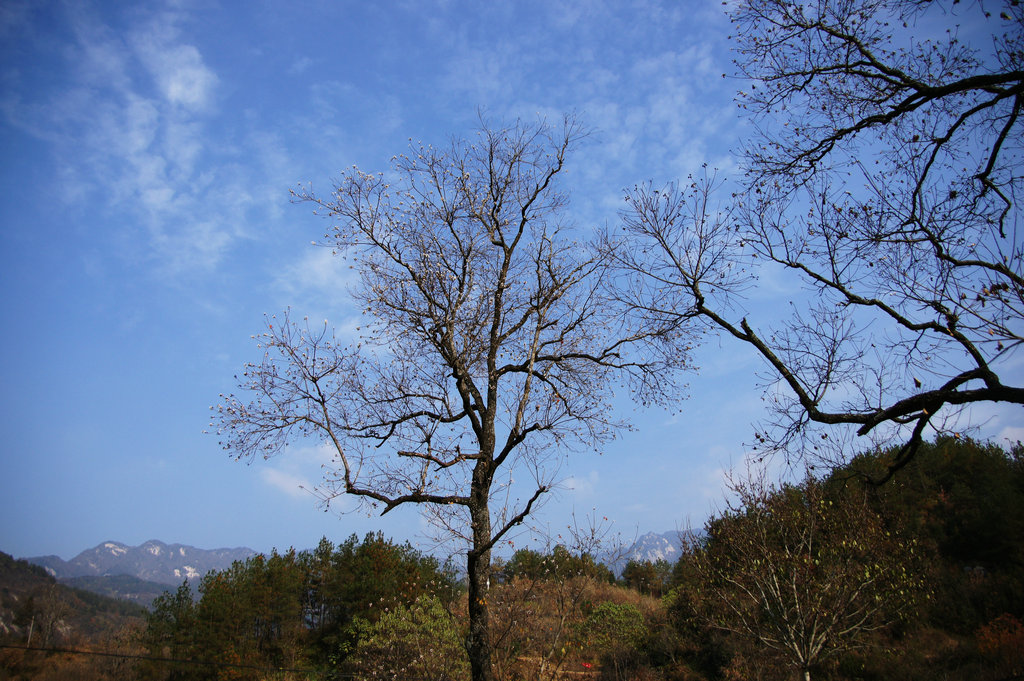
128, 124
299, 66
289, 483
658, 106
1010, 434
317, 284
582, 487
179, 71
1001, 423
320, 271
300, 474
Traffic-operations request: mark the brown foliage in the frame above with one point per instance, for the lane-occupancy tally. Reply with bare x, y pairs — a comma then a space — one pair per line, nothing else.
1002, 641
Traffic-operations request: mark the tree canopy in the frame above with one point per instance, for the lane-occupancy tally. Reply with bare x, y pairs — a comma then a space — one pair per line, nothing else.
492, 344
882, 174
802, 570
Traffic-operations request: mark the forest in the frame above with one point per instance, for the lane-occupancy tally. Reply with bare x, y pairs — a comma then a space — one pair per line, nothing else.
826, 577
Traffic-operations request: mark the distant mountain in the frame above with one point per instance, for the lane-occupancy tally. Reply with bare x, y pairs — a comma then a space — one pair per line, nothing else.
153, 561
654, 547
648, 547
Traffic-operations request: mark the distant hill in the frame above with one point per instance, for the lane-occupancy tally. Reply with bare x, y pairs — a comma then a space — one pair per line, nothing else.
32, 601
124, 587
154, 561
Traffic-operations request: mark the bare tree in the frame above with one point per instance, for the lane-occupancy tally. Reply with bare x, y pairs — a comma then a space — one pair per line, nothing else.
883, 175
492, 345
804, 573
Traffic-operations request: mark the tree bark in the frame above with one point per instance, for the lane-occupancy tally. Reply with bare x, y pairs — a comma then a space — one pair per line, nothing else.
478, 569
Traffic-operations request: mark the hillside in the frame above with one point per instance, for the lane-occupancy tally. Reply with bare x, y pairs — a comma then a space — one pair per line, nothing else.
123, 587
33, 601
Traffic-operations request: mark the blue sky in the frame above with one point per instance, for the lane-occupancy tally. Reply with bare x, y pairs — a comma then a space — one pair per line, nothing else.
146, 229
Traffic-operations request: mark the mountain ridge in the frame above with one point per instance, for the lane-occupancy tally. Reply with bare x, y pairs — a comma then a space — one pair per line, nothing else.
649, 547
152, 561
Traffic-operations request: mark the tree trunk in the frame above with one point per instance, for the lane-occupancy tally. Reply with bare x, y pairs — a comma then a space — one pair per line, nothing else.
479, 647
478, 569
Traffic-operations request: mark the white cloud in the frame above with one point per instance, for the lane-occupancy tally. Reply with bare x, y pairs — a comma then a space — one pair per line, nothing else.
581, 487
289, 483
315, 455
300, 471
1010, 434
317, 285
178, 68
181, 75
319, 272
1002, 423
129, 125
299, 66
